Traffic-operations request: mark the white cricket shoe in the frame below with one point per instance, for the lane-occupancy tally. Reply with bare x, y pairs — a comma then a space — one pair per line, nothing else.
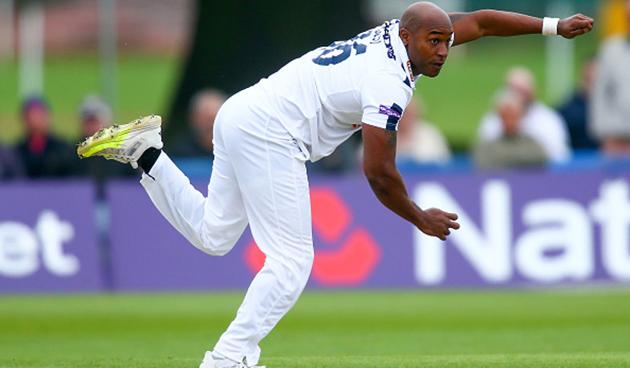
210, 361
124, 143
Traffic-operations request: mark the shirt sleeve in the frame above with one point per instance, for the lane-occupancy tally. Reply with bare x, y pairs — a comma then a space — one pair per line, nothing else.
384, 98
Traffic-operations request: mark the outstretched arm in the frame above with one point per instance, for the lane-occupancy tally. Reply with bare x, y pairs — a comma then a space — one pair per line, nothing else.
379, 154
471, 26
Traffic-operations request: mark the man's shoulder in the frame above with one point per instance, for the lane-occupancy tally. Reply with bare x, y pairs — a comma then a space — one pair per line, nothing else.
387, 82
387, 75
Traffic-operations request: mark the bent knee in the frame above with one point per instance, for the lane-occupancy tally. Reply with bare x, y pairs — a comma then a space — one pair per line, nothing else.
298, 267
215, 247
218, 252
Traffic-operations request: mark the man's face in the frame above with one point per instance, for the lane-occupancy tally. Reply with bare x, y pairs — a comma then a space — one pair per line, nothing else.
203, 116
428, 48
511, 114
37, 120
91, 124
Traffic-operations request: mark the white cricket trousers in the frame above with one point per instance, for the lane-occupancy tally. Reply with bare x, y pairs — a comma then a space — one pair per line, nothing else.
258, 177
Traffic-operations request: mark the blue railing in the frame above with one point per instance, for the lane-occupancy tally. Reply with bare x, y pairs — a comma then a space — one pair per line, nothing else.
200, 168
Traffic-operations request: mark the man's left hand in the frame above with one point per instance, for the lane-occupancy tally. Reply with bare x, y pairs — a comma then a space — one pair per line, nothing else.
575, 25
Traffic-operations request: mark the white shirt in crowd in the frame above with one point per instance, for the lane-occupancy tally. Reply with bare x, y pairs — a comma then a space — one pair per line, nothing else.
540, 123
426, 145
610, 112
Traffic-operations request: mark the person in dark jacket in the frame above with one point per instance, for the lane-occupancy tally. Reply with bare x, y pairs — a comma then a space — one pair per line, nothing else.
43, 154
10, 166
197, 141
575, 111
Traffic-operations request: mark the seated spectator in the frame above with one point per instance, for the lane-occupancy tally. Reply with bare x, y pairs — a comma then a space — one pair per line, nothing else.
540, 122
43, 154
419, 140
575, 111
10, 165
197, 141
513, 148
611, 95
94, 115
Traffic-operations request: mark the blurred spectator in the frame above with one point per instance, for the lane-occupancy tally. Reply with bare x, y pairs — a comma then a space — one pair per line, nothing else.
43, 154
10, 165
611, 19
575, 111
419, 140
611, 94
197, 142
513, 148
94, 115
539, 122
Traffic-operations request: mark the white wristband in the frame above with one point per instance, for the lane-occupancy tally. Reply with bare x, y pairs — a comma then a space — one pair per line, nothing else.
550, 26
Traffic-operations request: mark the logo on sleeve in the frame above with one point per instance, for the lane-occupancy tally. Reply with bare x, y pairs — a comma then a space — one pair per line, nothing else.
393, 113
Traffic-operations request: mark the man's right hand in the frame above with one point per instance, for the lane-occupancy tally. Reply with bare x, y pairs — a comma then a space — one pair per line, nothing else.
438, 223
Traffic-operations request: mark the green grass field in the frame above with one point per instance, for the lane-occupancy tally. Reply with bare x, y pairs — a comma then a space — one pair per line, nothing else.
555, 328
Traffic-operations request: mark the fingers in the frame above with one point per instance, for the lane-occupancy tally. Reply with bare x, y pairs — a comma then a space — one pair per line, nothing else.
582, 17
578, 32
452, 216
576, 25
440, 223
449, 224
582, 22
453, 225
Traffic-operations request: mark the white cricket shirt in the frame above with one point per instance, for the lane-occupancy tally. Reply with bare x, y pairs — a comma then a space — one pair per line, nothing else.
323, 97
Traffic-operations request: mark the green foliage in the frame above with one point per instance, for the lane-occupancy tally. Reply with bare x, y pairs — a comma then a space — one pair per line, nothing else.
326, 329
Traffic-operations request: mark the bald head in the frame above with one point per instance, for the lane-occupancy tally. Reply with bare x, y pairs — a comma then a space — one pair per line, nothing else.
424, 14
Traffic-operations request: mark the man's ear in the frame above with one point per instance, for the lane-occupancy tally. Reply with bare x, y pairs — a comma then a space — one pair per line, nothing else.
404, 36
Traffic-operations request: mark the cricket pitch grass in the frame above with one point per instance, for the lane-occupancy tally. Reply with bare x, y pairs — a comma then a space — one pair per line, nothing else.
551, 328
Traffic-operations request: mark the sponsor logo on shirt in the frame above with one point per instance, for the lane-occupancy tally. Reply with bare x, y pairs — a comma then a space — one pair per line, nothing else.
389, 111
393, 113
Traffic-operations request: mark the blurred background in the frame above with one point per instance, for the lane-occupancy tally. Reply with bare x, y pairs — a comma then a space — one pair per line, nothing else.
527, 138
